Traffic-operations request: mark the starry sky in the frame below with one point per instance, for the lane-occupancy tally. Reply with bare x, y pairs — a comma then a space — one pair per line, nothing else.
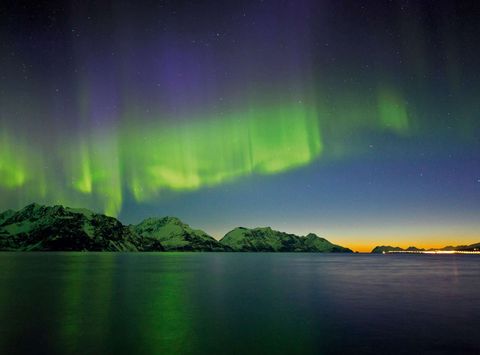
355, 120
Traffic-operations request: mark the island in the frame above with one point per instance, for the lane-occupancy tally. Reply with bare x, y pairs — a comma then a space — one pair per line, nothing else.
384, 249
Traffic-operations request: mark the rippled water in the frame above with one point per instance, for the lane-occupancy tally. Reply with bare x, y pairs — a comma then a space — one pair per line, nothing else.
238, 303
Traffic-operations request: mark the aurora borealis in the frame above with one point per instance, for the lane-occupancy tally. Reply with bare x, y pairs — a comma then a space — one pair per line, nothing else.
357, 120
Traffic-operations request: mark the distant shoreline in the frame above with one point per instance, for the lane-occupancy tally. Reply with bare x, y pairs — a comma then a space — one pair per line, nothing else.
433, 252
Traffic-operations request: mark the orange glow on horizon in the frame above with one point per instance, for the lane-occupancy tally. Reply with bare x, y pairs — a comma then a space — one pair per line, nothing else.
366, 245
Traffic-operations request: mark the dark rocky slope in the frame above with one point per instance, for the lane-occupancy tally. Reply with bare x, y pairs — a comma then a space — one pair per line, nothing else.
174, 235
269, 240
58, 228
37, 227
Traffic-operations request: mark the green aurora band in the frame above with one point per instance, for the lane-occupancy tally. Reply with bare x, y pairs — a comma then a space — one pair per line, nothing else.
211, 151
186, 155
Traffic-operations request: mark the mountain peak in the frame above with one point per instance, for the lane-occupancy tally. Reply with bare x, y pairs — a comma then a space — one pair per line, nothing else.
38, 227
32, 206
162, 221
267, 239
173, 234
172, 219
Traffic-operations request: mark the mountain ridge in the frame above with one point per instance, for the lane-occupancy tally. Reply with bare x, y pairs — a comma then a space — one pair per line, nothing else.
174, 235
52, 228
38, 227
265, 239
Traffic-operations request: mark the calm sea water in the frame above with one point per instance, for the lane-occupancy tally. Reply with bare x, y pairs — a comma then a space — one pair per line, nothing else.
229, 303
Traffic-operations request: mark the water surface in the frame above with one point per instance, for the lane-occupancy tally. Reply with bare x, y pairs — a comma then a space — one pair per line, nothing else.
238, 303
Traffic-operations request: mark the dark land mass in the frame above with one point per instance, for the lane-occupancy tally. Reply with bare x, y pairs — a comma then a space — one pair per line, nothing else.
269, 240
58, 228
174, 235
387, 248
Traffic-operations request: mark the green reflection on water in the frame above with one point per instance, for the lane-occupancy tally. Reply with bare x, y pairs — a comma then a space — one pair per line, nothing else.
150, 308
168, 317
85, 301
167, 303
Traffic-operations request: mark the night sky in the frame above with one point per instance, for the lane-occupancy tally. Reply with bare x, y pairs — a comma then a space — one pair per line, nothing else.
356, 120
